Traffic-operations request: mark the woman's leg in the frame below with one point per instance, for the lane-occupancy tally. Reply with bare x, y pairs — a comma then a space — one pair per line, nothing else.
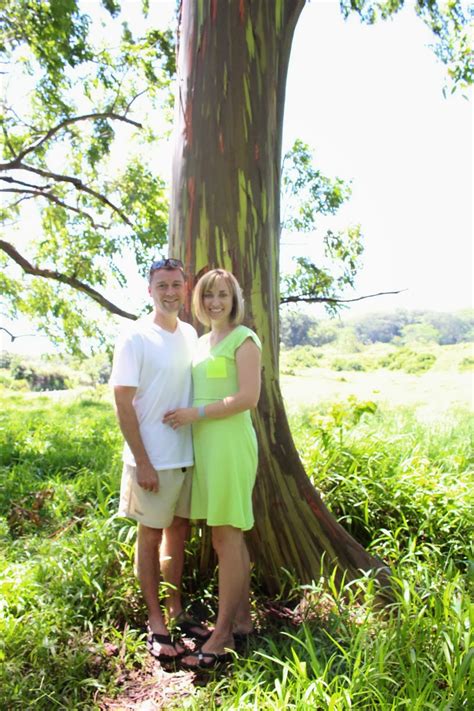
228, 544
243, 621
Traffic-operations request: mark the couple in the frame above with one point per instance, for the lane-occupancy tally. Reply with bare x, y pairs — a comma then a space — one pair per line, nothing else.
152, 382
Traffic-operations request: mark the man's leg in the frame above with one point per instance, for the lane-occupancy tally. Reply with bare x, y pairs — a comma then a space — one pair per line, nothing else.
172, 561
148, 571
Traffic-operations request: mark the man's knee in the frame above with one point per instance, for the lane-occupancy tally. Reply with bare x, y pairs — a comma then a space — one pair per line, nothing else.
148, 535
178, 526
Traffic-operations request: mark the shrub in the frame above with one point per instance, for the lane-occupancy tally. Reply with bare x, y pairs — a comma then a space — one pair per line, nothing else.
300, 357
345, 364
6, 381
41, 377
467, 363
410, 361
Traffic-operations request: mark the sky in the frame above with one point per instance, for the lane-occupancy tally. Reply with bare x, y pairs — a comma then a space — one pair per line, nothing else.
369, 102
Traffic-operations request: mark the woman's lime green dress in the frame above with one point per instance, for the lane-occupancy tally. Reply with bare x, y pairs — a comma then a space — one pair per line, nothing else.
225, 450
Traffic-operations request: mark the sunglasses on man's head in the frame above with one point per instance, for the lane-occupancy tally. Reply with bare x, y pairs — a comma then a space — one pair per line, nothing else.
167, 264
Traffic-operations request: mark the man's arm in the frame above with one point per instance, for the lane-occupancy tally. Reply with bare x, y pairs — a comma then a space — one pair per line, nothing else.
147, 477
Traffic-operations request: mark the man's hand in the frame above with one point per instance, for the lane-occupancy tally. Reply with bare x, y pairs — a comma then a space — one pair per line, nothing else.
147, 477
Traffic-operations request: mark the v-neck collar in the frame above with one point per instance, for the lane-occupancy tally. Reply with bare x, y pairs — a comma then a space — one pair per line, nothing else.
212, 348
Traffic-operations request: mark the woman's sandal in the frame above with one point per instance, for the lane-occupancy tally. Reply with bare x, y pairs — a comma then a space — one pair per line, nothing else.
191, 628
215, 660
153, 638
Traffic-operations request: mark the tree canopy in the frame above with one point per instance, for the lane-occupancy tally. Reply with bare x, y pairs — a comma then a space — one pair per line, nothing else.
75, 139
82, 108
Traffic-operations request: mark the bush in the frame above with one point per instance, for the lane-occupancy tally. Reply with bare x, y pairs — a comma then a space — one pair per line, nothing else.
8, 382
41, 377
300, 357
407, 360
467, 363
383, 470
343, 364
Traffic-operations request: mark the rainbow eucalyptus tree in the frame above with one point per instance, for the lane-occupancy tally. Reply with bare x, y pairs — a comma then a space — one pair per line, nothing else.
232, 66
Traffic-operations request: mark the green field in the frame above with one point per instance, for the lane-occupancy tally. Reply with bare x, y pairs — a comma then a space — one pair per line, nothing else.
431, 394
71, 620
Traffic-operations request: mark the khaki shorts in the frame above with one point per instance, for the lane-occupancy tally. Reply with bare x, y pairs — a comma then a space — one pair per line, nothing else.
156, 509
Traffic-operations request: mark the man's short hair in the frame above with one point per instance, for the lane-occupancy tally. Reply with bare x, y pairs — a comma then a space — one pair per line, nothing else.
207, 281
169, 264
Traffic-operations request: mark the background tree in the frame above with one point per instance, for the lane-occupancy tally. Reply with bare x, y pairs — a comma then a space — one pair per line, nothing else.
306, 196
68, 105
295, 328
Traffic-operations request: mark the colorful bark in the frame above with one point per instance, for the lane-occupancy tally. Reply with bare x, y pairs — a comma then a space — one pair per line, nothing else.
232, 65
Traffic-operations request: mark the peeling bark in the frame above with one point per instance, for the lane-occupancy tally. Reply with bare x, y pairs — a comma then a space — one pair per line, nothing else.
232, 66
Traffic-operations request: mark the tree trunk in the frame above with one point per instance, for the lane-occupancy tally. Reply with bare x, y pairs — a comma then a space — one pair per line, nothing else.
232, 65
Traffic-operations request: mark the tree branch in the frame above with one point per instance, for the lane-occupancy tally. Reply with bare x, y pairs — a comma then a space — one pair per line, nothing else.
21, 335
14, 181
52, 198
64, 279
330, 300
63, 124
78, 184
137, 96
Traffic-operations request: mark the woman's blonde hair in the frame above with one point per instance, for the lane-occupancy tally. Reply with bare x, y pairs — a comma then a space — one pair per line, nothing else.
206, 282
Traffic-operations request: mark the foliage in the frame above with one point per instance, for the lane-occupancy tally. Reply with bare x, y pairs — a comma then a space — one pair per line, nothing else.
339, 364
400, 328
100, 209
307, 194
382, 328
408, 327
299, 357
408, 360
419, 333
298, 328
384, 471
49, 372
41, 379
467, 363
71, 622
449, 22
452, 328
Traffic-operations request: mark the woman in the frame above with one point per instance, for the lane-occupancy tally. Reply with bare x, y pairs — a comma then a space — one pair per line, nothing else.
226, 379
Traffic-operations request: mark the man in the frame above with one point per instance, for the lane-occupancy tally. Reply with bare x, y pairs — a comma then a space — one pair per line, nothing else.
152, 374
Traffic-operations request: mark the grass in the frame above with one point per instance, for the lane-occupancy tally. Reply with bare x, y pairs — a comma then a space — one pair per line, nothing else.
71, 616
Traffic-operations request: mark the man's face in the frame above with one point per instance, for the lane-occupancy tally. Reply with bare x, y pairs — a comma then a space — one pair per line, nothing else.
167, 291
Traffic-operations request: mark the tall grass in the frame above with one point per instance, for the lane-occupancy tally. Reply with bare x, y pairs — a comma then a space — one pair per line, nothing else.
71, 616
388, 477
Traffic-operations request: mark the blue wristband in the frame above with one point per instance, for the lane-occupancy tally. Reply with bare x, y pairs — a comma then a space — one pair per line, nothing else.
201, 411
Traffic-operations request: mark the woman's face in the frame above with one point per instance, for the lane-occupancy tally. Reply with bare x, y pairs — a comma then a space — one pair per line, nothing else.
218, 301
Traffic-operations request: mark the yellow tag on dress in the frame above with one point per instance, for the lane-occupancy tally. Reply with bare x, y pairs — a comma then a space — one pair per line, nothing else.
216, 367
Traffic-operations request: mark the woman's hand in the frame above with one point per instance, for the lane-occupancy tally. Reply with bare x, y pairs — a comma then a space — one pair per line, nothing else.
181, 416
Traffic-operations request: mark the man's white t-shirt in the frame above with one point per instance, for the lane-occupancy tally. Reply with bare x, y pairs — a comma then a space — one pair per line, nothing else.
158, 364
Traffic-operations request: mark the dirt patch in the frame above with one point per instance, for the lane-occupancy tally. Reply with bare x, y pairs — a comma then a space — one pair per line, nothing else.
150, 688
